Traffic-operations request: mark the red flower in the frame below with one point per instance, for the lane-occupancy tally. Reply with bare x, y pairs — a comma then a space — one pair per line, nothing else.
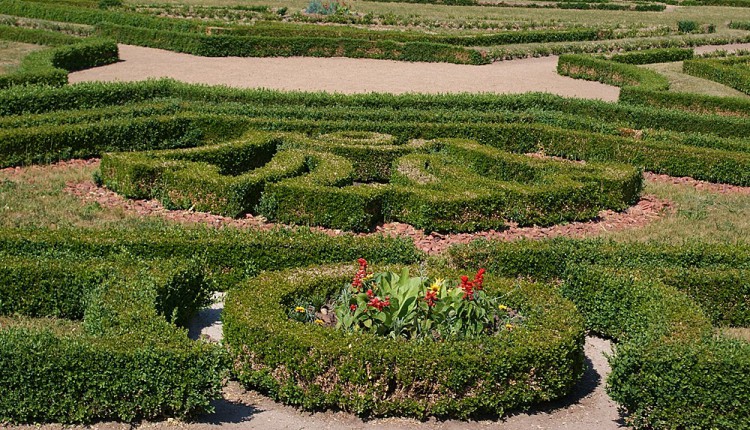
370, 294
431, 298
479, 279
467, 287
360, 275
353, 308
378, 304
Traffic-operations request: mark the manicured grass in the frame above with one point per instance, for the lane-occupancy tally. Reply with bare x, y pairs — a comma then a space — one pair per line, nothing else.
699, 216
684, 83
11, 54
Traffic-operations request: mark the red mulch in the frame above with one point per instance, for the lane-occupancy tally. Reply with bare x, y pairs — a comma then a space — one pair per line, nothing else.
645, 211
698, 185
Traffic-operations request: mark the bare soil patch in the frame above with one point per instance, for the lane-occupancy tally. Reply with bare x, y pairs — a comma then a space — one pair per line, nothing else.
347, 75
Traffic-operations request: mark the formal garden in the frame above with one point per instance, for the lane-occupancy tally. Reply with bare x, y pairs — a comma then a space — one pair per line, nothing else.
433, 257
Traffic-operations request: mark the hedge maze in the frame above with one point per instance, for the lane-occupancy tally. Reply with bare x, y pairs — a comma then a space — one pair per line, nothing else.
445, 185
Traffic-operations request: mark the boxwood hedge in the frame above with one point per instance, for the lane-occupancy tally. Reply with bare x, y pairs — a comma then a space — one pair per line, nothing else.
92, 318
51, 66
670, 368
123, 360
446, 185
320, 368
733, 72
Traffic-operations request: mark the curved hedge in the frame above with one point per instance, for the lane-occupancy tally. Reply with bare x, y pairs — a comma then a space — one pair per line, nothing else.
120, 357
319, 368
165, 114
733, 72
670, 369
447, 185
646, 87
86, 323
51, 66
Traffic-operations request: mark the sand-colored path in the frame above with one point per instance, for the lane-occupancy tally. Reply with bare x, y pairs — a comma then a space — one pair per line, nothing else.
346, 75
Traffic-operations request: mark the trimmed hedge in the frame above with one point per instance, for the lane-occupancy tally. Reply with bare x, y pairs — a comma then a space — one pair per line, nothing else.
223, 45
643, 86
51, 66
124, 361
650, 56
445, 185
730, 106
669, 369
320, 368
121, 358
227, 253
733, 72
610, 72
587, 130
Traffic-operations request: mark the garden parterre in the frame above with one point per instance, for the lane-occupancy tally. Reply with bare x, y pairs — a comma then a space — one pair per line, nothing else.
113, 333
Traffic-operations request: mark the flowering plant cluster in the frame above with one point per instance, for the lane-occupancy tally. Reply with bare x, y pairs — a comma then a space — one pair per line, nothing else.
398, 305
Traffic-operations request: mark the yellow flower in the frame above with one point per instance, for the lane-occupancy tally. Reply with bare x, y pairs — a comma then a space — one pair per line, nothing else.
435, 287
502, 307
509, 326
299, 309
368, 277
319, 321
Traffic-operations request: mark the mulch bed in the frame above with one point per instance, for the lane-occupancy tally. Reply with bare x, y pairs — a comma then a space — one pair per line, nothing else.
648, 209
698, 185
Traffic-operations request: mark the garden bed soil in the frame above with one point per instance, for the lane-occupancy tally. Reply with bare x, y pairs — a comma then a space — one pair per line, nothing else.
648, 209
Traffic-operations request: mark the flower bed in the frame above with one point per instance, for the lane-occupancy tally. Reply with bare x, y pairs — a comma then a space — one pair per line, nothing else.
319, 367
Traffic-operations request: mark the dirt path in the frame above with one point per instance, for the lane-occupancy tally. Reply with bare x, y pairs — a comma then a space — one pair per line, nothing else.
587, 408
346, 75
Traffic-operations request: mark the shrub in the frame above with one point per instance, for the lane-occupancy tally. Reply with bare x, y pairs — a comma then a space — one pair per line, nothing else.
669, 369
687, 26
733, 72
467, 187
123, 361
106, 4
578, 129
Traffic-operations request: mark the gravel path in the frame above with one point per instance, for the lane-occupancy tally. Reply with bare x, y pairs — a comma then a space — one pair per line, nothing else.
346, 75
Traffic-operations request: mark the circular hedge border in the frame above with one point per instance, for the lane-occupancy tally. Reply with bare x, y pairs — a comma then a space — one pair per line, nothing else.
322, 368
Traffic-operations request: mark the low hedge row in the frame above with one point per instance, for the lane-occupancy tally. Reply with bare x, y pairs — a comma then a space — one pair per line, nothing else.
731, 106
228, 253
610, 72
282, 29
36, 36
643, 86
280, 46
51, 66
120, 358
124, 360
445, 185
92, 16
318, 368
97, 95
669, 369
733, 72
50, 143
650, 56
